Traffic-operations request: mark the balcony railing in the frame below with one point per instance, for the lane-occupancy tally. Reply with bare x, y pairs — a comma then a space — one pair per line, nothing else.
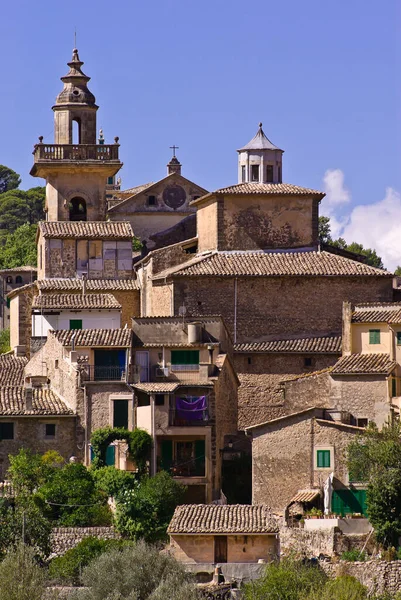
76, 152
99, 373
191, 468
179, 419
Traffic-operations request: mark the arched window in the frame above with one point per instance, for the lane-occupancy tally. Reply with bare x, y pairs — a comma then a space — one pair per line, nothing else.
77, 209
9, 279
76, 131
18, 279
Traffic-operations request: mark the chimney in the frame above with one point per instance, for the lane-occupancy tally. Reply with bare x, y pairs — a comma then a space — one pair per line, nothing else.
28, 397
347, 333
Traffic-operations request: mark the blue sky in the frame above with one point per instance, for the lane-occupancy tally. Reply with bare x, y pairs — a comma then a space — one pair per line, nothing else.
324, 77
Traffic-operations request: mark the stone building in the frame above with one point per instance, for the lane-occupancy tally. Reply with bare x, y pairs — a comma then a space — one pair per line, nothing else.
155, 207
11, 279
223, 534
186, 397
297, 453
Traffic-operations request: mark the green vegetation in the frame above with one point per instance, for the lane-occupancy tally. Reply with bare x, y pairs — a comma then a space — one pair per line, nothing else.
145, 511
21, 578
139, 445
9, 179
18, 248
341, 588
354, 556
4, 341
113, 482
325, 238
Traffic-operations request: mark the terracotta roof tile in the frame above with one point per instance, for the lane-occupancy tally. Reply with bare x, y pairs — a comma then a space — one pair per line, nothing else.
118, 338
229, 518
378, 312
270, 264
380, 364
24, 269
44, 402
324, 344
12, 369
92, 285
87, 230
274, 189
75, 301
157, 387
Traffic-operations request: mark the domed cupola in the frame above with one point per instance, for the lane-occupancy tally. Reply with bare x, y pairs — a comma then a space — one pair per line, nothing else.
260, 161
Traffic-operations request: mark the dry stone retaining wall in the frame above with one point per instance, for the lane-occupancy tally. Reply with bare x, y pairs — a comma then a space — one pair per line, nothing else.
378, 576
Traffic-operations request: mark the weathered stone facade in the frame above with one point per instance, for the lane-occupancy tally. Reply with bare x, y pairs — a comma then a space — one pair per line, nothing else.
65, 538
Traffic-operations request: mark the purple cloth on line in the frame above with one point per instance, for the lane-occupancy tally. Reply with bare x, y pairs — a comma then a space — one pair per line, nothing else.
191, 410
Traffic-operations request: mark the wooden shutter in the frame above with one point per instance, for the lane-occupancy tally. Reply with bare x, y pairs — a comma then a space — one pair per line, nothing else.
323, 459
120, 413
110, 456
347, 501
167, 454
185, 357
75, 323
374, 336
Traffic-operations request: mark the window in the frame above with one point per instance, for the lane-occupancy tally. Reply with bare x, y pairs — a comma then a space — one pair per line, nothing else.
374, 336
393, 387
279, 174
120, 413
56, 363
9, 279
6, 431
243, 173
50, 430
110, 180
75, 324
362, 422
398, 338
254, 172
249, 360
159, 400
152, 201
307, 362
77, 209
18, 279
269, 173
183, 458
323, 459
185, 357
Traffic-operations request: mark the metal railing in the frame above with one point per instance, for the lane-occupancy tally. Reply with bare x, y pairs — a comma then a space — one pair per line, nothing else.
191, 468
76, 152
100, 373
178, 419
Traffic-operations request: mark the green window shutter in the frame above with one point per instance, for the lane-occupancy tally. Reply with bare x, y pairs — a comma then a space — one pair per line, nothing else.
348, 501
110, 456
393, 387
120, 413
374, 336
75, 324
185, 357
200, 457
323, 459
398, 338
167, 454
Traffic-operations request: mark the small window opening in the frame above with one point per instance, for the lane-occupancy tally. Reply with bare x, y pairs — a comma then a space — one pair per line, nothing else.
76, 132
374, 336
9, 279
110, 180
56, 363
307, 361
249, 360
323, 459
243, 173
159, 400
362, 422
50, 430
6, 431
152, 201
18, 279
269, 173
77, 209
255, 173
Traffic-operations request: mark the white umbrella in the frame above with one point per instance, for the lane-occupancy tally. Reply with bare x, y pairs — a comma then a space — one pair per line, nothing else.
328, 488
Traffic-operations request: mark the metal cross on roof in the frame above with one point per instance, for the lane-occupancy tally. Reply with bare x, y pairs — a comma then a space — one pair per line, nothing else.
174, 148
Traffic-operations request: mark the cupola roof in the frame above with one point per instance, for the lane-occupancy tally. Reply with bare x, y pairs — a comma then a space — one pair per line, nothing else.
260, 142
75, 85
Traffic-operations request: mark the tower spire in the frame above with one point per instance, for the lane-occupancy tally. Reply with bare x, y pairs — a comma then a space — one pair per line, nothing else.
174, 166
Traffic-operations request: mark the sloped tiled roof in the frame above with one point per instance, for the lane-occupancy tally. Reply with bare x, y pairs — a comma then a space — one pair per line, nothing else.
118, 338
92, 285
44, 402
273, 189
260, 141
326, 344
377, 312
24, 269
157, 387
367, 364
270, 264
75, 301
86, 230
12, 369
305, 496
229, 518
135, 190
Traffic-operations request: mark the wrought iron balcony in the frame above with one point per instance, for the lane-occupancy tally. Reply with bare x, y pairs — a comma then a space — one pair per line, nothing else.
190, 468
100, 373
75, 152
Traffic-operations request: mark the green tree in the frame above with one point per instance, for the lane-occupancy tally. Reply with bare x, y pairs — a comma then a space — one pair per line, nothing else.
146, 511
344, 587
4, 340
18, 248
9, 179
18, 207
24, 524
113, 482
20, 576
324, 230
375, 457
28, 471
398, 271
138, 572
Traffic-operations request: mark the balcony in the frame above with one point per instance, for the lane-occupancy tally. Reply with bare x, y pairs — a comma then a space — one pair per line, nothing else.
75, 152
180, 419
178, 468
100, 373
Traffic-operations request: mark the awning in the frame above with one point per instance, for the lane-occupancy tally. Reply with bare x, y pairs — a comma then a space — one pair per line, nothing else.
305, 496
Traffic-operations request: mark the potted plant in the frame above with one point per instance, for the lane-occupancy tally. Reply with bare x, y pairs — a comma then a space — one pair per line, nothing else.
315, 513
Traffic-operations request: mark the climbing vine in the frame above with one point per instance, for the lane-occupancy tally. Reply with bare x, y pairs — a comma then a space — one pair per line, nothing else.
139, 446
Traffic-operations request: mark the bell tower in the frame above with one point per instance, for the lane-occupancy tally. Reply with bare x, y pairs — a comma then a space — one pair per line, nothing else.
260, 161
75, 167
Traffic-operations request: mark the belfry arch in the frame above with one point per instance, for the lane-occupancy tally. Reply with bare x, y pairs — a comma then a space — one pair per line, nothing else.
77, 209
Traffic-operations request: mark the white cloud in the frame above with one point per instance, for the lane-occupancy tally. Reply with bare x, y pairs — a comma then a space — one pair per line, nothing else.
376, 226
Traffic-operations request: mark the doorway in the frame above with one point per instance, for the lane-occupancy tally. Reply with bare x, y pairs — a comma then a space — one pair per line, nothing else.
220, 548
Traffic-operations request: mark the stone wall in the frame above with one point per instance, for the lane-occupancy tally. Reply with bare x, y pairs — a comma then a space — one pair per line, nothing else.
65, 538
327, 542
378, 576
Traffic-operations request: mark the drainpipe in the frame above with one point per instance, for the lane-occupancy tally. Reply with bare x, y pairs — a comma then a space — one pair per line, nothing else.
154, 450
86, 457
235, 309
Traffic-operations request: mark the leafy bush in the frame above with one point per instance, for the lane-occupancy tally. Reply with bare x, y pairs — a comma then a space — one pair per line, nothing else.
4, 341
139, 444
68, 568
137, 572
341, 588
28, 471
20, 576
287, 580
146, 511
27, 524
353, 556
113, 482
71, 498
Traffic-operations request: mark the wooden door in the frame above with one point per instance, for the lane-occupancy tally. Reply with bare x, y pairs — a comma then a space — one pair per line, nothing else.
220, 548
